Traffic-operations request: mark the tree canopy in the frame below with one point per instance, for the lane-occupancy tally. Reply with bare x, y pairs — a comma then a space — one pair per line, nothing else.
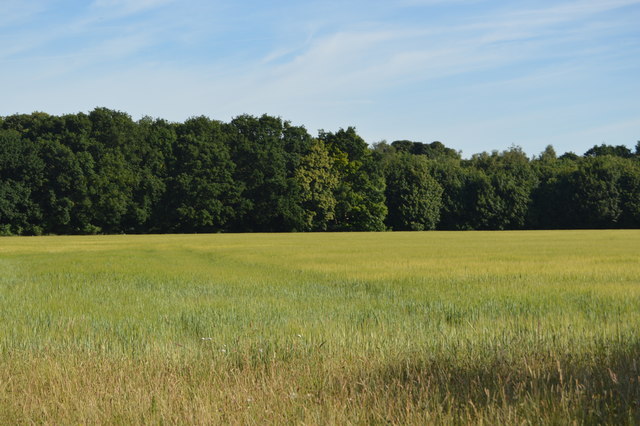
103, 172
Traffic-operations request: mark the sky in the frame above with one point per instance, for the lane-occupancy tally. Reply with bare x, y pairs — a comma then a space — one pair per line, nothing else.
476, 75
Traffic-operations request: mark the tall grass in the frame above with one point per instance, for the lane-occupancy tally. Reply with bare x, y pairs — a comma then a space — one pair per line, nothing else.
477, 327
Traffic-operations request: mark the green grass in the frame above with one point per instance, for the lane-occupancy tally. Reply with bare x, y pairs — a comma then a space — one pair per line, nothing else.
463, 327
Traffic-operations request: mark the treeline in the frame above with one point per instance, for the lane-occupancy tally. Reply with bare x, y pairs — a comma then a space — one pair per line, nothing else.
102, 172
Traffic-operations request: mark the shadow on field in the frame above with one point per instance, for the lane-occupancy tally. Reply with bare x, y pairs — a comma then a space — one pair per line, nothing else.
599, 387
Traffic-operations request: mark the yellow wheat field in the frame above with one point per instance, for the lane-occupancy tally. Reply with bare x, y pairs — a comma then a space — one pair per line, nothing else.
537, 327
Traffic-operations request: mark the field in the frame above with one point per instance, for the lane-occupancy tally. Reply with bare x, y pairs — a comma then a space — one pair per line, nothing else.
470, 327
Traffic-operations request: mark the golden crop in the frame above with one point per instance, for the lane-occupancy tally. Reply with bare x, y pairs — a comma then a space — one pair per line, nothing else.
423, 327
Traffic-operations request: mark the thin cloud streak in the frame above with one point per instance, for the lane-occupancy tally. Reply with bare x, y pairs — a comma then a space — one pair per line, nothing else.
158, 57
121, 8
16, 12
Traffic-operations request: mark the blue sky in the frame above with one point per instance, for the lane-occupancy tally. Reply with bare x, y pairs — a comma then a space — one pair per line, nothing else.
476, 75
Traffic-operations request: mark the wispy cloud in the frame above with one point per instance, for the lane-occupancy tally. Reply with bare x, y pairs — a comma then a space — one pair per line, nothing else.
16, 12
370, 60
117, 8
405, 60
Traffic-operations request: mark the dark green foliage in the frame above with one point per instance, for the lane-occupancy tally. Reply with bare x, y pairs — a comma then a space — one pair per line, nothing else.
318, 183
103, 172
414, 197
267, 152
504, 182
596, 192
456, 202
569, 156
360, 201
616, 151
202, 195
20, 174
552, 200
433, 150
152, 154
132, 160
629, 184
360, 198
65, 195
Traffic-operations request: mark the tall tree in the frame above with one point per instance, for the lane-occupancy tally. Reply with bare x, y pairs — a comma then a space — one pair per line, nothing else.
318, 182
433, 150
64, 197
360, 201
267, 152
20, 172
201, 193
597, 193
512, 181
604, 149
112, 142
413, 196
552, 204
149, 156
629, 184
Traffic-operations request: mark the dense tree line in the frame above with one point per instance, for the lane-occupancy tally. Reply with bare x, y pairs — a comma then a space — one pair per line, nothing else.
102, 172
